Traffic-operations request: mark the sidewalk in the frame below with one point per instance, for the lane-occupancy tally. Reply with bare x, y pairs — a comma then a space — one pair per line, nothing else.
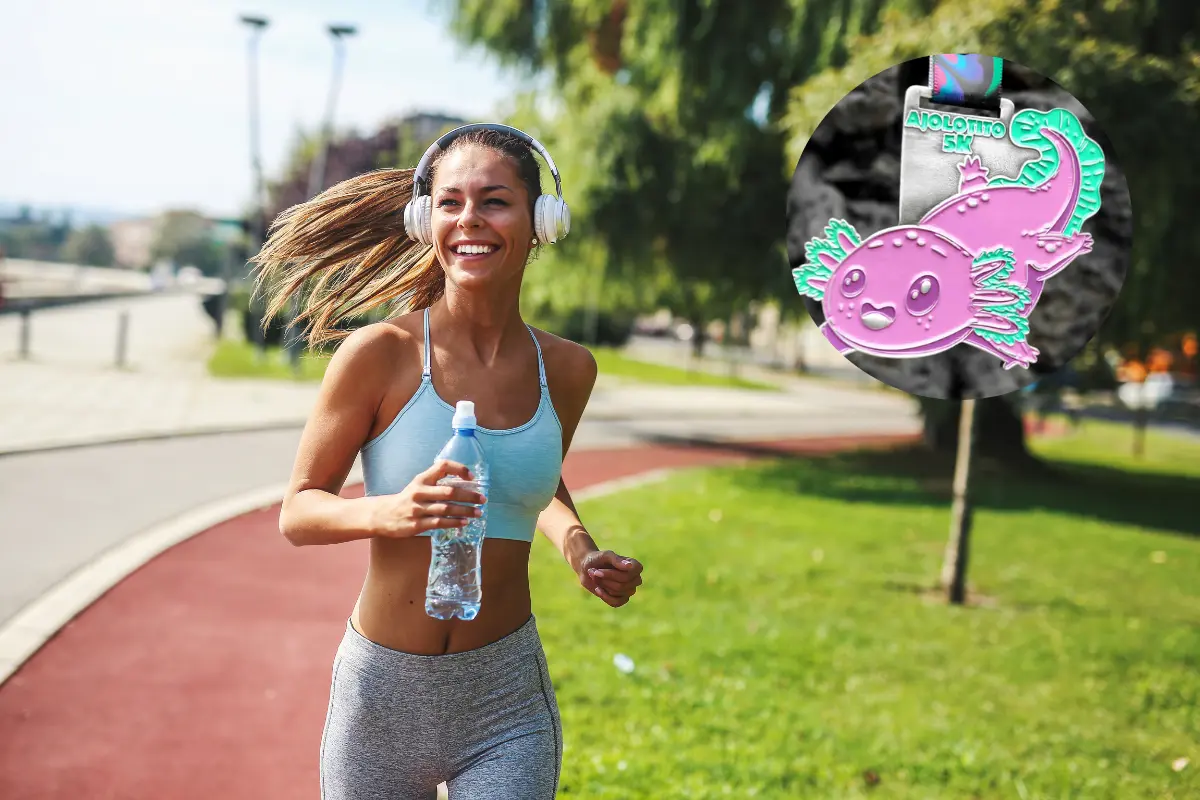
206, 673
69, 392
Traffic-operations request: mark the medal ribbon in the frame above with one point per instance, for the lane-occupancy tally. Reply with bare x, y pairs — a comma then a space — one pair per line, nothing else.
968, 80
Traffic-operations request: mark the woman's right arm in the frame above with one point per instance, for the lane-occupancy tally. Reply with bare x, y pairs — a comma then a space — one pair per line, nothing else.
352, 390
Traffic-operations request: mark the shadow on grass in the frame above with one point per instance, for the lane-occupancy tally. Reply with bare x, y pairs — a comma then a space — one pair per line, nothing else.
914, 476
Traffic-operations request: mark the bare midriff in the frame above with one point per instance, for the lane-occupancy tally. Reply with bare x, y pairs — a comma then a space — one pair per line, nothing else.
391, 607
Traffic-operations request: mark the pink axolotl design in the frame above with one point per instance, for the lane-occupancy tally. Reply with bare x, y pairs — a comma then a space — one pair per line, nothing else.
974, 266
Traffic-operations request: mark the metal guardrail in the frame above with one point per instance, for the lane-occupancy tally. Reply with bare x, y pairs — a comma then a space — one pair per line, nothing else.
27, 305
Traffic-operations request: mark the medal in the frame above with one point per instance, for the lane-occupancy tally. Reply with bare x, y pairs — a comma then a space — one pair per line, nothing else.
992, 201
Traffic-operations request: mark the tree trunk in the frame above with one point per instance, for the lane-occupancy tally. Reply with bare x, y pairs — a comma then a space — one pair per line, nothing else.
1140, 420
954, 564
999, 431
699, 336
732, 323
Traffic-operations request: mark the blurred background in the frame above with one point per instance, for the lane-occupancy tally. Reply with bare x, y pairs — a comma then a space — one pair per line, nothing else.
149, 146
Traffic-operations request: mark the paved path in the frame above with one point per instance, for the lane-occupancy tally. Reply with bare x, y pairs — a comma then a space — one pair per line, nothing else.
205, 674
63, 509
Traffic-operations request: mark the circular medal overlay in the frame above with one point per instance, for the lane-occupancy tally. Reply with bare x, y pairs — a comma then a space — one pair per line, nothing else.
977, 308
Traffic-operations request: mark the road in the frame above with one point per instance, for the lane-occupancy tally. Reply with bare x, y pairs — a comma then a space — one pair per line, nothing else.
63, 508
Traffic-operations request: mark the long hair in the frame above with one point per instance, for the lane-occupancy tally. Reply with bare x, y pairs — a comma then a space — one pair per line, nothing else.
344, 252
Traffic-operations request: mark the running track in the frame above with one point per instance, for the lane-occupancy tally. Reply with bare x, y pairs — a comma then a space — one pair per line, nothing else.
205, 674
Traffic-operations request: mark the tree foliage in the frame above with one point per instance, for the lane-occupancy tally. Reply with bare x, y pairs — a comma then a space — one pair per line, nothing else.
668, 112
40, 238
185, 238
91, 246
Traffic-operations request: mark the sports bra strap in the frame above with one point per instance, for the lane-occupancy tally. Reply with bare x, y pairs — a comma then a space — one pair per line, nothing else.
426, 372
541, 366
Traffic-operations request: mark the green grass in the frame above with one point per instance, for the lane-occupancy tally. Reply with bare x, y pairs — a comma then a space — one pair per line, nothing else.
613, 363
786, 644
237, 359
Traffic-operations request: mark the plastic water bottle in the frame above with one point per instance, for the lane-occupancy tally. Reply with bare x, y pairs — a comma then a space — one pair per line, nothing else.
454, 588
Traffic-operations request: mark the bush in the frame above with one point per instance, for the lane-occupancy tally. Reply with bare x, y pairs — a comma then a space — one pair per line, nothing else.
251, 317
613, 329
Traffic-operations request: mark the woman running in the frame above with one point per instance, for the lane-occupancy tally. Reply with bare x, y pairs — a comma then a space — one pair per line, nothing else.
416, 701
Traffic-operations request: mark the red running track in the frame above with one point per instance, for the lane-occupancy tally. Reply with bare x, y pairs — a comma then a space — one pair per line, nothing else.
205, 673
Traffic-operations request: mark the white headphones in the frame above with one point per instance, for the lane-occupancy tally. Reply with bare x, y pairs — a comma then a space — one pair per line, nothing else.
551, 216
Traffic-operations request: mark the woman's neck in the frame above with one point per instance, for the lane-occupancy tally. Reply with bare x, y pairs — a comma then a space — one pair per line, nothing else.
485, 324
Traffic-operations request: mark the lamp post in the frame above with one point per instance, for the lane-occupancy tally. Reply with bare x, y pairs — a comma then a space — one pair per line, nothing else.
258, 217
316, 175
293, 341
256, 26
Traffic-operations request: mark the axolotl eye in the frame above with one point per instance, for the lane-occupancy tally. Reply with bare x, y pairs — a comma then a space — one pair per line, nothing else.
854, 282
922, 295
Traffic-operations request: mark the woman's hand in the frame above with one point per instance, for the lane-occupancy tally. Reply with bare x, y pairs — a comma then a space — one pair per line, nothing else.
425, 506
611, 577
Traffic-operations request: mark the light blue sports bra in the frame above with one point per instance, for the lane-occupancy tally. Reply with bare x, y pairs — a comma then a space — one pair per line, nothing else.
525, 462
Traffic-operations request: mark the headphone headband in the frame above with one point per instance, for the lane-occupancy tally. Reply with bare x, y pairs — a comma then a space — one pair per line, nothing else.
421, 175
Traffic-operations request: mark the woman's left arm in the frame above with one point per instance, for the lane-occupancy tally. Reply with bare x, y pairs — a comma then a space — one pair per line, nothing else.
572, 371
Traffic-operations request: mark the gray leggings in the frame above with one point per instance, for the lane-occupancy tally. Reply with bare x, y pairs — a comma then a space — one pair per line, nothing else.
484, 721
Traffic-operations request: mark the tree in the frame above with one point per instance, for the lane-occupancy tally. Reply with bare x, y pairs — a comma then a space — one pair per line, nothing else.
91, 246
185, 238
670, 112
36, 239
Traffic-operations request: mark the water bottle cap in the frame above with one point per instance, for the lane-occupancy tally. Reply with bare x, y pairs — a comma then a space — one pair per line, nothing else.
464, 415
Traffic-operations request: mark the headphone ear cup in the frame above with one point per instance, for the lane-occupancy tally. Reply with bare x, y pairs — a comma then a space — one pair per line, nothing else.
551, 218
418, 221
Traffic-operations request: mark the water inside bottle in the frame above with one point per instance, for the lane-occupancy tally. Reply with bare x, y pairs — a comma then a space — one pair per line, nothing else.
454, 587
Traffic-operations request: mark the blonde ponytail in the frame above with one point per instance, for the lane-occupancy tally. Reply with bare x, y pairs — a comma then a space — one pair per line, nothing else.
345, 253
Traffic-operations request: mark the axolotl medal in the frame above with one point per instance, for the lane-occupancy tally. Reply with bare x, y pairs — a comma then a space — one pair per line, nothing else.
991, 207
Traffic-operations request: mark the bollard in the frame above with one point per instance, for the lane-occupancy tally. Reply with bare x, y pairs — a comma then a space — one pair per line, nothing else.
122, 337
23, 350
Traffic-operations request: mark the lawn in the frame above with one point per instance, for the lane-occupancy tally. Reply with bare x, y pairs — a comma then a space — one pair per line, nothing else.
237, 359
785, 644
613, 363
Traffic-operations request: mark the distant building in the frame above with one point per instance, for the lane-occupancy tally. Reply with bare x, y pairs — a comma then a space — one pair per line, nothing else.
427, 127
132, 241
396, 143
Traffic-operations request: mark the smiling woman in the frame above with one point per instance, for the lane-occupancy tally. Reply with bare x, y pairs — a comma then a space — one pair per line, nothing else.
416, 700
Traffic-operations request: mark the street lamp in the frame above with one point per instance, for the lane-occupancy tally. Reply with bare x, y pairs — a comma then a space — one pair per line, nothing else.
316, 176
256, 26
293, 343
258, 224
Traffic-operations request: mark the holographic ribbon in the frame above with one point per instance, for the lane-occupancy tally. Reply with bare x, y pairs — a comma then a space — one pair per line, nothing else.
968, 79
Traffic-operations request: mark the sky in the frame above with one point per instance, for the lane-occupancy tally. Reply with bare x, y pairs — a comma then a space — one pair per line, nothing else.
134, 106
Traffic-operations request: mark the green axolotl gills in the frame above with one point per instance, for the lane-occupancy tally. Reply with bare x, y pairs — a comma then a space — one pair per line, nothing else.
962, 275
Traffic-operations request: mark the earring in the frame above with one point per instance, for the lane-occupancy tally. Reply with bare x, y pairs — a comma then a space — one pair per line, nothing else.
534, 242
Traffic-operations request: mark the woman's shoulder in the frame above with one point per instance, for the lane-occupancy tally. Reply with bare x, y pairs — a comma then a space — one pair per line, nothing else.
380, 347
567, 361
